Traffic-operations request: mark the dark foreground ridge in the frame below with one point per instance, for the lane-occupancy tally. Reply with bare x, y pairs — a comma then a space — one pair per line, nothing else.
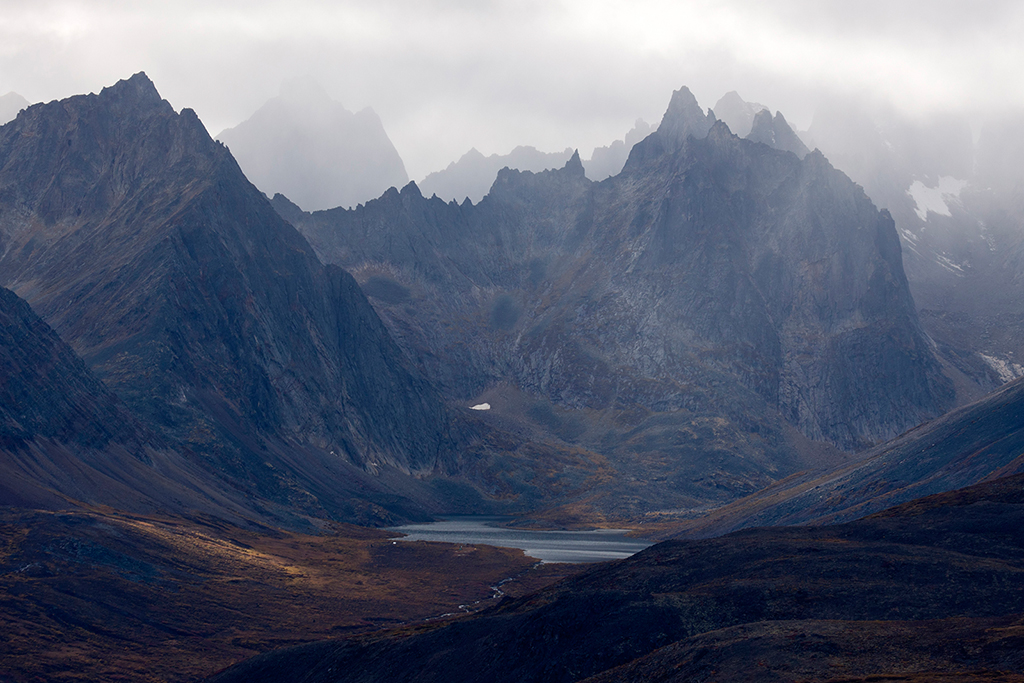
975, 443
932, 590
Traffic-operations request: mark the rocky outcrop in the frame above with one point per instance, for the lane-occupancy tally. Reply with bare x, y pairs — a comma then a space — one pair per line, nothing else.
309, 147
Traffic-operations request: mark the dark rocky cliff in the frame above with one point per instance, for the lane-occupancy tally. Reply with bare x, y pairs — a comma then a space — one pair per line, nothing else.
139, 240
65, 439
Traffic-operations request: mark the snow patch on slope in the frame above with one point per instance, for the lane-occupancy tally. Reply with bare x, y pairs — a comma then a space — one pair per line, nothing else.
1007, 370
935, 199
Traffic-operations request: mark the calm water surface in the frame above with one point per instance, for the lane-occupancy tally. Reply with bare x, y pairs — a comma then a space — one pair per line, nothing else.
548, 546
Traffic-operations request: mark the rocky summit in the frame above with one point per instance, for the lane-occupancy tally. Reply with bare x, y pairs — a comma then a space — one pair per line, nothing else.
699, 318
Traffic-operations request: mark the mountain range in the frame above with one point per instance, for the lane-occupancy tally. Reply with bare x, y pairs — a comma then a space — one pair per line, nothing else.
719, 335
699, 319
473, 174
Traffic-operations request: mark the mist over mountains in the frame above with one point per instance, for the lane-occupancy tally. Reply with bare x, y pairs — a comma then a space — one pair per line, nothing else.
473, 174
955, 200
309, 147
717, 296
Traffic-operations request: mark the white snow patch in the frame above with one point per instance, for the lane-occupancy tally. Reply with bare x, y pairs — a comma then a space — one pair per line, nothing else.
934, 199
481, 406
949, 264
908, 236
1007, 370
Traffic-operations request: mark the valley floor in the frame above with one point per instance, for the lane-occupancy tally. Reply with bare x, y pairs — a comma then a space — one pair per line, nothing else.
103, 595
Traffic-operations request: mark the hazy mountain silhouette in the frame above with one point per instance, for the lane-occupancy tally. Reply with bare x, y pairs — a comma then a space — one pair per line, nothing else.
309, 147
472, 175
609, 160
775, 132
736, 113
679, 318
10, 105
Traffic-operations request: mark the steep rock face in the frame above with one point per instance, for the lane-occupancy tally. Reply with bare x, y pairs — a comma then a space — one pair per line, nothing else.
311, 148
956, 204
139, 240
47, 391
677, 317
66, 439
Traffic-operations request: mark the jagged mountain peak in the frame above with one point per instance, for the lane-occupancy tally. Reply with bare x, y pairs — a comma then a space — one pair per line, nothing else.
138, 86
684, 117
574, 165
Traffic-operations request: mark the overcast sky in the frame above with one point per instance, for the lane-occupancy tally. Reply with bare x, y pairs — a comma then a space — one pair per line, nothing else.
447, 75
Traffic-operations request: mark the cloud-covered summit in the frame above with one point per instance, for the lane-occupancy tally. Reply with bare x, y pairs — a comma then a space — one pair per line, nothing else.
310, 148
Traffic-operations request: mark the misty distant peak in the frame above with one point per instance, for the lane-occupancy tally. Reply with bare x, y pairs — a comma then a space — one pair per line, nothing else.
776, 132
737, 114
10, 105
305, 90
684, 117
473, 174
309, 147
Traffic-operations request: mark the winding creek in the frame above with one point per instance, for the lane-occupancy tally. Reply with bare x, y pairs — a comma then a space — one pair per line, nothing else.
547, 546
